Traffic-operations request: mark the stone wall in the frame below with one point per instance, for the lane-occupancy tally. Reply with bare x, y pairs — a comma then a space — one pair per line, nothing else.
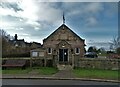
95, 63
98, 63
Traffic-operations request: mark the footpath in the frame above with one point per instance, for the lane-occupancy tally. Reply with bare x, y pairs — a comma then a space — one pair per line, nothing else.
61, 75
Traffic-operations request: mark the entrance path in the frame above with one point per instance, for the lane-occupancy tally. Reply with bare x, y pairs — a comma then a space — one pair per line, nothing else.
64, 74
65, 71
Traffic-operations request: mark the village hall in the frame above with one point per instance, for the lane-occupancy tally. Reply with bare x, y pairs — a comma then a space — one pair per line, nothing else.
62, 47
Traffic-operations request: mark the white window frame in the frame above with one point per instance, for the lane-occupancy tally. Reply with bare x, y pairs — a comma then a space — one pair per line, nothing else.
36, 54
76, 50
50, 50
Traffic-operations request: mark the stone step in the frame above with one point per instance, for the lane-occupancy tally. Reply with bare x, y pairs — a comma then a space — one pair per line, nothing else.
64, 67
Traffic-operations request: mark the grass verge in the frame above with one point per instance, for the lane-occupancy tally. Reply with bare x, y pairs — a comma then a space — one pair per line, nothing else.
16, 71
40, 70
96, 74
46, 70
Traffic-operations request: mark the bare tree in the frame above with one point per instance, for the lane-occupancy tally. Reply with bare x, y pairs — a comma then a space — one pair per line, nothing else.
4, 42
3, 33
115, 43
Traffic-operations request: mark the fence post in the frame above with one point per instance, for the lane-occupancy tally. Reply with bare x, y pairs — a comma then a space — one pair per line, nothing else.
30, 62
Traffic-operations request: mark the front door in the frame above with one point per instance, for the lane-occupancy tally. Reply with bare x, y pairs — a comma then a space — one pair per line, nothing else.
63, 55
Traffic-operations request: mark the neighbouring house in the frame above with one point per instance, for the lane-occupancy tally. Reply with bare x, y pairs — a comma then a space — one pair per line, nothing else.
63, 46
18, 47
21, 43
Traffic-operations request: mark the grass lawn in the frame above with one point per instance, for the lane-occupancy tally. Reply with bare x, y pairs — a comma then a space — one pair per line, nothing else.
46, 70
16, 71
95, 73
41, 70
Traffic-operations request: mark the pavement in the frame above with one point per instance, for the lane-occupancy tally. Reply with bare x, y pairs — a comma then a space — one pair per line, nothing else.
61, 75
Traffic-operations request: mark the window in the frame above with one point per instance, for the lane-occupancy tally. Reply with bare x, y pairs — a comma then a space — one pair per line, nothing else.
77, 50
34, 54
49, 50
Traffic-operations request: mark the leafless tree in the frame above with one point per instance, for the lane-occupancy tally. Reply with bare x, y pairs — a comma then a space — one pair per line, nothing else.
115, 43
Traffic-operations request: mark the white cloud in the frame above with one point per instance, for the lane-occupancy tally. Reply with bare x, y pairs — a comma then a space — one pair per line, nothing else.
36, 28
7, 11
34, 23
32, 12
38, 15
91, 21
29, 10
24, 34
94, 7
19, 28
78, 0
10, 1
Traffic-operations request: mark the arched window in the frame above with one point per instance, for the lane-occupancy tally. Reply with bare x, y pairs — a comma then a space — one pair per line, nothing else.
49, 50
77, 50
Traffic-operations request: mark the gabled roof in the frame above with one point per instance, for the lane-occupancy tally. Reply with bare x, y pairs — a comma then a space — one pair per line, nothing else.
61, 27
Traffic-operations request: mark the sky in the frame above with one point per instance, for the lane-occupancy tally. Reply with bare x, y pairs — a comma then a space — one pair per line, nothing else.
34, 20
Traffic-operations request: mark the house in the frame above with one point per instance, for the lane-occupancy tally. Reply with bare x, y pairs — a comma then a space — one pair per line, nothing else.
17, 42
20, 48
63, 46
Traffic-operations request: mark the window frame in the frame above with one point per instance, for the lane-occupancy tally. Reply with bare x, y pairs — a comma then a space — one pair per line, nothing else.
49, 50
36, 54
77, 50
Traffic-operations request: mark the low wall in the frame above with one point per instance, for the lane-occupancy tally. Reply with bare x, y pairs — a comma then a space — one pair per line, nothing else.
99, 63
34, 61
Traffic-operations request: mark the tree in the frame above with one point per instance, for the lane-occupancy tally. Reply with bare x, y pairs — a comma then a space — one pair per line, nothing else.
92, 49
101, 50
115, 43
6, 47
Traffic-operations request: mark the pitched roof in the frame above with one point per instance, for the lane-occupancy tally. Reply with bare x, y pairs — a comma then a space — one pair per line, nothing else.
61, 27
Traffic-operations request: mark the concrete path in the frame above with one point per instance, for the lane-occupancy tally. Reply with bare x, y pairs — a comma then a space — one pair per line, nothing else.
64, 74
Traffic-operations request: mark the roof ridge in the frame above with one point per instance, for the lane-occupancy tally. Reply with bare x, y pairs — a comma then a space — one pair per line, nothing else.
64, 28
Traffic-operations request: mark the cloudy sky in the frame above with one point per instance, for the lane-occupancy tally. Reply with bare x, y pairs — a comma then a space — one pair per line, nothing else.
34, 20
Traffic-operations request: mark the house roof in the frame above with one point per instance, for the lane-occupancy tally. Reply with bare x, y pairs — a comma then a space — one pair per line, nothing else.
65, 27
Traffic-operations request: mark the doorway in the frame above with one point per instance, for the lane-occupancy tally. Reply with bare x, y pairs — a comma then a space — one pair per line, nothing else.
63, 55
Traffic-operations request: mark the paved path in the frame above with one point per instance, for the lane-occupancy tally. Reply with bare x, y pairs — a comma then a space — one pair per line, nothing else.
64, 74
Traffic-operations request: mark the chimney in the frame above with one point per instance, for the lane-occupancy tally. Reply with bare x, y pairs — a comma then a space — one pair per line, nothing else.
16, 36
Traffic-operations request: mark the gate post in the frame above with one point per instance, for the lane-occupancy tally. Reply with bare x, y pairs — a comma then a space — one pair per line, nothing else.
30, 62
73, 61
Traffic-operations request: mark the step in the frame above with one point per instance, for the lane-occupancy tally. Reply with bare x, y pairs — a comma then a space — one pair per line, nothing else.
64, 67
